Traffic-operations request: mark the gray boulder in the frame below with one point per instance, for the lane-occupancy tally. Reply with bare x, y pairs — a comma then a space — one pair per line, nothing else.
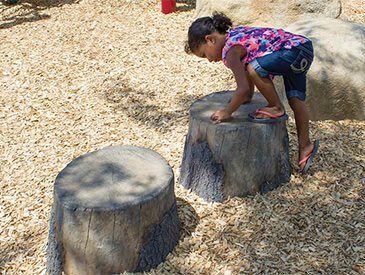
275, 13
336, 80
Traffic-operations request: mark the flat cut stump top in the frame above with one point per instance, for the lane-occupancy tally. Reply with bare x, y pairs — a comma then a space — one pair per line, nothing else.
203, 108
114, 177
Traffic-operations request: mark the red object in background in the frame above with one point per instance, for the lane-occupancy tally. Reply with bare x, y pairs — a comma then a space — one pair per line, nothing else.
168, 6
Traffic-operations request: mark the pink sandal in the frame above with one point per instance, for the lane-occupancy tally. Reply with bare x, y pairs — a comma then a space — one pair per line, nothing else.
308, 159
272, 118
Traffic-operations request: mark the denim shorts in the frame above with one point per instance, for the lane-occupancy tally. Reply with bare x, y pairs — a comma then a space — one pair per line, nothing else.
292, 64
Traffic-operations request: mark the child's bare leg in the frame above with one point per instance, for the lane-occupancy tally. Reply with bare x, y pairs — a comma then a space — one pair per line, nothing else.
302, 123
252, 88
250, 93
267, 89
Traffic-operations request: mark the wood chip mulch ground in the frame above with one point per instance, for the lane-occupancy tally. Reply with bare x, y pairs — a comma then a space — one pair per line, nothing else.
77, 76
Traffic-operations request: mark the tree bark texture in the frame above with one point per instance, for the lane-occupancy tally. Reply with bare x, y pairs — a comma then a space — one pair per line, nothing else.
233, 158
114, 210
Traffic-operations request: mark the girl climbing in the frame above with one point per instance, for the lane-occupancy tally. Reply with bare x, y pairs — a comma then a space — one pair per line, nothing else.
255, 55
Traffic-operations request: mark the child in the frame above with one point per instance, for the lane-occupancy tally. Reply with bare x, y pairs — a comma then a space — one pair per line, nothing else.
255, 55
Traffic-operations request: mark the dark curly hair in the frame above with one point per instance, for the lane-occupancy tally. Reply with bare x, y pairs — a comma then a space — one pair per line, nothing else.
204, 26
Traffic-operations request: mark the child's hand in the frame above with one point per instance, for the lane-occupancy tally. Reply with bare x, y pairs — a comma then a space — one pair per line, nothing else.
221, 115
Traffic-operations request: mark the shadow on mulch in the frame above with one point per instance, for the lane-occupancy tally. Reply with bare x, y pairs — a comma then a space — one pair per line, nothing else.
136, 105
14, 248
25, 11
188, 218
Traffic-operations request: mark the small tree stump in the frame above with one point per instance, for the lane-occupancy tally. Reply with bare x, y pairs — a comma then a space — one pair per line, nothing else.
234, 158
114, 210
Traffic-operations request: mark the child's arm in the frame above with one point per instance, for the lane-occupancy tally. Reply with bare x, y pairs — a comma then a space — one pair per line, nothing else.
242, 93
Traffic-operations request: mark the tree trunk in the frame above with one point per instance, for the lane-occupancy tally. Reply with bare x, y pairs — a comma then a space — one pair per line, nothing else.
114, 210
234, 158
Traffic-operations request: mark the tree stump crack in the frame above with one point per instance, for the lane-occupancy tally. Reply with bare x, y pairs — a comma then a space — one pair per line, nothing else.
113, 228
248, 139
220, 149
88, 233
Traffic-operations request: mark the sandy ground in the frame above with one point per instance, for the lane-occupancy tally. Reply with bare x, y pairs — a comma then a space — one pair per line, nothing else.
79, 76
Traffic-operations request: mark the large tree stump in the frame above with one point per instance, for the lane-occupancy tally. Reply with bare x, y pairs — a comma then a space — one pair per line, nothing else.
234, 158
114, 210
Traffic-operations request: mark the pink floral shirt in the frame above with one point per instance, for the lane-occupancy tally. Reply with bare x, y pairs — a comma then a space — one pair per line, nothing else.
259, 42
